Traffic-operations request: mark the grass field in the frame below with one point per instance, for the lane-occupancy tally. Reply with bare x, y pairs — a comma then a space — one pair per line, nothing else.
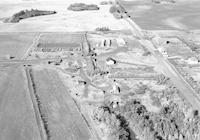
17, 118
181, 15
61, 38
15, 44
183, 52
63, 118
64, 20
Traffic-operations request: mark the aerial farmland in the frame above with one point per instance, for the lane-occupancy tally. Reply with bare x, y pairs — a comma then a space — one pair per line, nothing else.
99, 70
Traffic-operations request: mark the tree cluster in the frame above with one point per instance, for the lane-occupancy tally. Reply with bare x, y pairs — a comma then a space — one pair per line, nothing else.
162, 79
82, 7
116, 11
161, 1
102, 29
23, 14
168, 124
115, 125
106, 3
141, 89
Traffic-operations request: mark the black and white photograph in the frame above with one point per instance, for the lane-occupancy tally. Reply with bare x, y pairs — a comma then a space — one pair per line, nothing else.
99, 69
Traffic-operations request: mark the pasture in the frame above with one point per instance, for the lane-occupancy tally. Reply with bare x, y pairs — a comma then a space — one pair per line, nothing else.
61, 38
60, 110
17, 117
181, 15
15, 44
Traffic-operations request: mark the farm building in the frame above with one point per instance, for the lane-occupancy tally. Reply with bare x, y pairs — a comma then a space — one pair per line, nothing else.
121, 42
163, 51
110, 61
106, 42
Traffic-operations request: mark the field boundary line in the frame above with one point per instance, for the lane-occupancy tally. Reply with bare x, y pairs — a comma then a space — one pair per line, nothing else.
84, 119
35, 106
32, 46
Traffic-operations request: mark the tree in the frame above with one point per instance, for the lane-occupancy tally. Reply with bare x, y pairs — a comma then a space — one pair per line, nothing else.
116, 125
113, 9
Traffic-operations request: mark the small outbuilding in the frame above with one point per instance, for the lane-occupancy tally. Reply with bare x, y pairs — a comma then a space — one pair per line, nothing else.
110, 61
121, 42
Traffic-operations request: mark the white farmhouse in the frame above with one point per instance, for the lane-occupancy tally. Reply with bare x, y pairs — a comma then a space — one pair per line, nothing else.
163, 51
110, 61
121, 42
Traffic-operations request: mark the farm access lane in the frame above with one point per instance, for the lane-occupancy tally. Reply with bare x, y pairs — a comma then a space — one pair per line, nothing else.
186, 91
36, 61
35, 42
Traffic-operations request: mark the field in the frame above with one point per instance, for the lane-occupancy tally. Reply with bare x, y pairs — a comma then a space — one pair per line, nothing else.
181, 15
64, 20
64, 120
61, 38
194, 72
15, 44
174, 44
17, 121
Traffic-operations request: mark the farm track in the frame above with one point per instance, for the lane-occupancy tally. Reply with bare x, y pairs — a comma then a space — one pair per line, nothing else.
34, 44
35, 61
91, 128
36, 105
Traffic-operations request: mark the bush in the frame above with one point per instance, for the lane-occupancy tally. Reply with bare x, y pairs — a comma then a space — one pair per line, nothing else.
92, 7
162, 79
113, 9
116, 11
160, 1
106, 2
102, 29
146, 53
117, 15
82, 7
